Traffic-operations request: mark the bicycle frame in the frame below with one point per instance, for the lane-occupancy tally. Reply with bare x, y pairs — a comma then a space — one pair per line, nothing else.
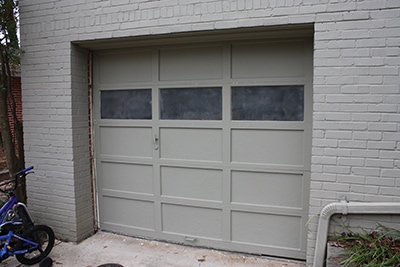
6, 250
12, 207
17, 227
4, 210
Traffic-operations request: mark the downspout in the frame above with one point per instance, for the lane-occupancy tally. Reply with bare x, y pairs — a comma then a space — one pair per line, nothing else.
345, 208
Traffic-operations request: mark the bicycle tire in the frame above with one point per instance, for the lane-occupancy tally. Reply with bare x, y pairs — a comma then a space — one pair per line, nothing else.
41, 234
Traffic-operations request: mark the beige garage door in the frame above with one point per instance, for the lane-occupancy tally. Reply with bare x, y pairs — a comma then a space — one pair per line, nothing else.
206, 144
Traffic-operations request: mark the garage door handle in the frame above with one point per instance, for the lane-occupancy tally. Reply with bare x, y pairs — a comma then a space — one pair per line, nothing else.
156, 142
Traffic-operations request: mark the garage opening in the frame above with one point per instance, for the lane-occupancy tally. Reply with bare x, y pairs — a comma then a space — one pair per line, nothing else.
206, 143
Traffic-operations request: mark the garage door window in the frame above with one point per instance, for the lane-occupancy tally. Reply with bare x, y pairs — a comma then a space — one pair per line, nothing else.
126, 104
191, 103
268, 103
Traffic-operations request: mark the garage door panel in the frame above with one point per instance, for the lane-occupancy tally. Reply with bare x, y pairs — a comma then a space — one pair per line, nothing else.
266, 229
125, 67
198, 63
192, 221
262, 60
125, 141
193, 183
128, 212
191, 144
134, 178
267, 146
268, 189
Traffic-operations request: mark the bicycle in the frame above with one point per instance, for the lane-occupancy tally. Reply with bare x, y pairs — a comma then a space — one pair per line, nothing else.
12, 209
19, 237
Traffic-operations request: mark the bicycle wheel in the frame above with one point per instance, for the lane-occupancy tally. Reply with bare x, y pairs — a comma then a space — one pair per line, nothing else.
41, 234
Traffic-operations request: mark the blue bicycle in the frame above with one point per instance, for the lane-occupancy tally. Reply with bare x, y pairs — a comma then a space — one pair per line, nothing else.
19, 237
13, 209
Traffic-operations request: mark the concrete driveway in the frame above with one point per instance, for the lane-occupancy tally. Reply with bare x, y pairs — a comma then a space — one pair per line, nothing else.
103, 248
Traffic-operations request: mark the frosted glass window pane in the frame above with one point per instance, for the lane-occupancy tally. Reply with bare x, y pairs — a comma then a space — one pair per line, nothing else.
126, 104
191, 103
268, 103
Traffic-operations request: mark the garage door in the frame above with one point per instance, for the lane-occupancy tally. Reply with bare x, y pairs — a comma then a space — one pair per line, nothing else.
206, 144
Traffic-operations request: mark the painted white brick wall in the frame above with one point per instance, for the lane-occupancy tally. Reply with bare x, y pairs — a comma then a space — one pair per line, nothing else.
356, 126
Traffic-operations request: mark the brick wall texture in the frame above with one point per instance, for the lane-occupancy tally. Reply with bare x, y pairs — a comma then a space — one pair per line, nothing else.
16, 91
356, 110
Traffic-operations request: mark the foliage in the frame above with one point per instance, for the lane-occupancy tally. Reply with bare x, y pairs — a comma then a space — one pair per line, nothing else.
11, 139
8, 31
377, 248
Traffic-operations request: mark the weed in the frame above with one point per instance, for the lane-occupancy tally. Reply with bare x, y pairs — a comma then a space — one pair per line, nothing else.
377, 248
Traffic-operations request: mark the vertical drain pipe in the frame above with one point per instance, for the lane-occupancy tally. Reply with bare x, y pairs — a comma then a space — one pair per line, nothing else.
345, 208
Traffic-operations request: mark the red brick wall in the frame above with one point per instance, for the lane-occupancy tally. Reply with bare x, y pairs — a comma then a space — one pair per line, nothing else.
16, 89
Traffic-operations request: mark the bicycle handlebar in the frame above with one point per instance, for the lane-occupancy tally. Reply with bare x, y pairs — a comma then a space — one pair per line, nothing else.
24, 170
19, 174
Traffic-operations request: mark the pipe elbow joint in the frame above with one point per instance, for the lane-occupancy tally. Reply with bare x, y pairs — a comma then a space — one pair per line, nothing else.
334, 208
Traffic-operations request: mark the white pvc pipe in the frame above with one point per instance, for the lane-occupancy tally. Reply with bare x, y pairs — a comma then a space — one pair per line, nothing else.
345, 208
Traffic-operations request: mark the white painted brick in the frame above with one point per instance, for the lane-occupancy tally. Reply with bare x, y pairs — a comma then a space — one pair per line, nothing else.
351, 179
339, 134
380, 181
383, 108
395, 99
379, 163
389, 127
371, 5
386, 89
368, 98
390, 191
359, 107
366, 153
389, 154
371, 118
342, 187
391, 117
354, 144
337, 152
336, 169
373, 190
356, 85
355, 125
339, 98
324, 160
381, 145
325, 143
371, 42
325, 177
337, 116
351, 162
376, 136
323, 194
352, 196
366, 171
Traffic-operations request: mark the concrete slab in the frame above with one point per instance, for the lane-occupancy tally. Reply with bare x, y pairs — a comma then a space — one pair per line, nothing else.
103, 248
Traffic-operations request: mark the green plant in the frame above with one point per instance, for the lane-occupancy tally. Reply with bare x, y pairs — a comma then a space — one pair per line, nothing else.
377, 248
